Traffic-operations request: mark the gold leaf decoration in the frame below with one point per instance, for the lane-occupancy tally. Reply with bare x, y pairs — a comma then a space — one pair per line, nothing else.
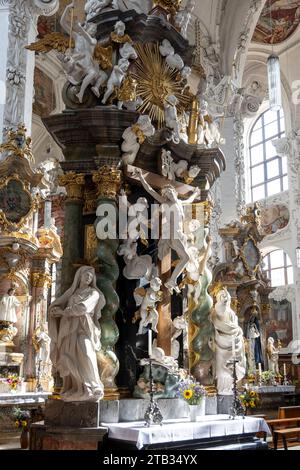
56, 41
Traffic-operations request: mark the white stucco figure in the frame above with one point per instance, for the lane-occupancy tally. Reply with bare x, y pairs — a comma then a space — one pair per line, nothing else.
171, 118
208, 131
8, 306
116, 78
94, 7
183, 17
159, 356
147, 300
173, 236
134, 136
173, 60
75, 337
127, 51
180, 325
227, 330
172, 170
273, 356
41, 342
78, 63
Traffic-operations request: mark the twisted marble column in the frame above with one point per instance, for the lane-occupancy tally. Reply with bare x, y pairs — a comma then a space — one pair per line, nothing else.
108, 181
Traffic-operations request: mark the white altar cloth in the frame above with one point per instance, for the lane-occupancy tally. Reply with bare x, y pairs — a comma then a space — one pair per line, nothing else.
184, 430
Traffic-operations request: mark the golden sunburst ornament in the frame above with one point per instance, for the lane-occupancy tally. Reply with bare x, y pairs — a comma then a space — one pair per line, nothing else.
156, 81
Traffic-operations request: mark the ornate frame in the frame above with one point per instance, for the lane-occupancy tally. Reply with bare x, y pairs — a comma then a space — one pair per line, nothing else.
243, 257
34, 201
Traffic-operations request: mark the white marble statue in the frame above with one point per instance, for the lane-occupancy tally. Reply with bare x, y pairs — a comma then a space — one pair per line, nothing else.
8, 306
171, 117
94, 7
208, 131
273, 356
127, 51
75, 337
173, 60
116, 78
183, 17
134, 136
41, 341
180, 325
172, 170
227, 333
137, 267
173, 237
147, 299
79, 64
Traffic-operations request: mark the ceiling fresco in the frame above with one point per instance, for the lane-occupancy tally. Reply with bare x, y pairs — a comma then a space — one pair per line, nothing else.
278, 21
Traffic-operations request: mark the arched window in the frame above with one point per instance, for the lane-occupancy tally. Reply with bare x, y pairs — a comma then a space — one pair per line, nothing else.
279, 269
268, 171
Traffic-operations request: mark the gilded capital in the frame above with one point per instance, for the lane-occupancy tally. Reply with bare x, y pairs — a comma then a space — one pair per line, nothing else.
108, 180
40, 279
74, 184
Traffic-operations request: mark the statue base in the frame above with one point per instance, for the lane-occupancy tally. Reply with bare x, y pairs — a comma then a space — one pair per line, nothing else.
224, 404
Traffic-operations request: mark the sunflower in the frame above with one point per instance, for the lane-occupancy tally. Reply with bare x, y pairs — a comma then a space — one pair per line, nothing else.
252, 404
252, 394
188, 394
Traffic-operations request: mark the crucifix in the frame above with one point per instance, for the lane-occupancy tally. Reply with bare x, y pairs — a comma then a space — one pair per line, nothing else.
172, 238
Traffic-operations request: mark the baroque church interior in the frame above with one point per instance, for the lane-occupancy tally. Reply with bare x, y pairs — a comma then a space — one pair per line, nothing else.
149, 224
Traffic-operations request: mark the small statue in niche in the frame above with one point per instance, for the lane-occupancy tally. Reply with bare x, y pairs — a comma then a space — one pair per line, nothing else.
177, 239
183, 17
75, 337
116, 78
147, 299
273, 356
41, 342
8, 317
253, 335
171, 118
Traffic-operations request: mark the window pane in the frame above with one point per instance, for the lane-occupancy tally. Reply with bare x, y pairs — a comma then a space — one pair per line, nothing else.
277, 259
258, 125
277, 277
258, 193
258, 175
270, 150
284, 165
274, 187
270, 116
271, 130
273, 168
285, 183
257, 155
256, 137
290, 275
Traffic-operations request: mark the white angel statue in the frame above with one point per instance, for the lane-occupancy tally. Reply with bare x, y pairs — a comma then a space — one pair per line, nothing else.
147, 299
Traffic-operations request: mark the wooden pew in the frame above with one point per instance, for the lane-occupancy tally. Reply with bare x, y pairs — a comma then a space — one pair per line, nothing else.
285, 434
289, 412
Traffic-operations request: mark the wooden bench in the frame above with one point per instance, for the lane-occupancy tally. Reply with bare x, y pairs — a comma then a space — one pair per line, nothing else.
289, 412
285, 434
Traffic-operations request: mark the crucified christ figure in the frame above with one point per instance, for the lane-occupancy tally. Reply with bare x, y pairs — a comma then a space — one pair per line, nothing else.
172, 206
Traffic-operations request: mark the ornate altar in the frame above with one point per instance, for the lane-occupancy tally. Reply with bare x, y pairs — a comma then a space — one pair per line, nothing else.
242, 273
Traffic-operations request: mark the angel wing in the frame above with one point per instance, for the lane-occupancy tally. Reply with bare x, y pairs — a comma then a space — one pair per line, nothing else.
139, 294
56, 41
103, 55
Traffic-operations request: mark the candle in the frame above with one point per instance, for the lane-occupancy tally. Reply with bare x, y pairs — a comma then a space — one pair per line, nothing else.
259, 369
150, 343
284, 369
233, 346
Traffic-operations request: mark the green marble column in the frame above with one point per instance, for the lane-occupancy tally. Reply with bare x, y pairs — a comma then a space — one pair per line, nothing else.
108, 181
73, 233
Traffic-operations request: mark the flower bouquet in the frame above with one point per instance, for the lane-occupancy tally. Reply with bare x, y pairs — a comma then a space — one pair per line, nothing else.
13, 381
268, 377
21, 417
193, 394
249, 399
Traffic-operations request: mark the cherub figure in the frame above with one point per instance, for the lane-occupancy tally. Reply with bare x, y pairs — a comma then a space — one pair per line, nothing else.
171, 118
147, 300
116, 78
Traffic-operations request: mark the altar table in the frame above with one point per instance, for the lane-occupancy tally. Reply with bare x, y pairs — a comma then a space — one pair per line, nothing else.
207, 427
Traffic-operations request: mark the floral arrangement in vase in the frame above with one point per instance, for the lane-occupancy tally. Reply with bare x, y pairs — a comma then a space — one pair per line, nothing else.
249, 399
191, 391
21, 418
13, 381
268, 377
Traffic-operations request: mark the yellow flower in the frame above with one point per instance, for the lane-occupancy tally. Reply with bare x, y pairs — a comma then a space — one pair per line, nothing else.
187, 394
252, 404
252, 394
17, 423
24, 424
